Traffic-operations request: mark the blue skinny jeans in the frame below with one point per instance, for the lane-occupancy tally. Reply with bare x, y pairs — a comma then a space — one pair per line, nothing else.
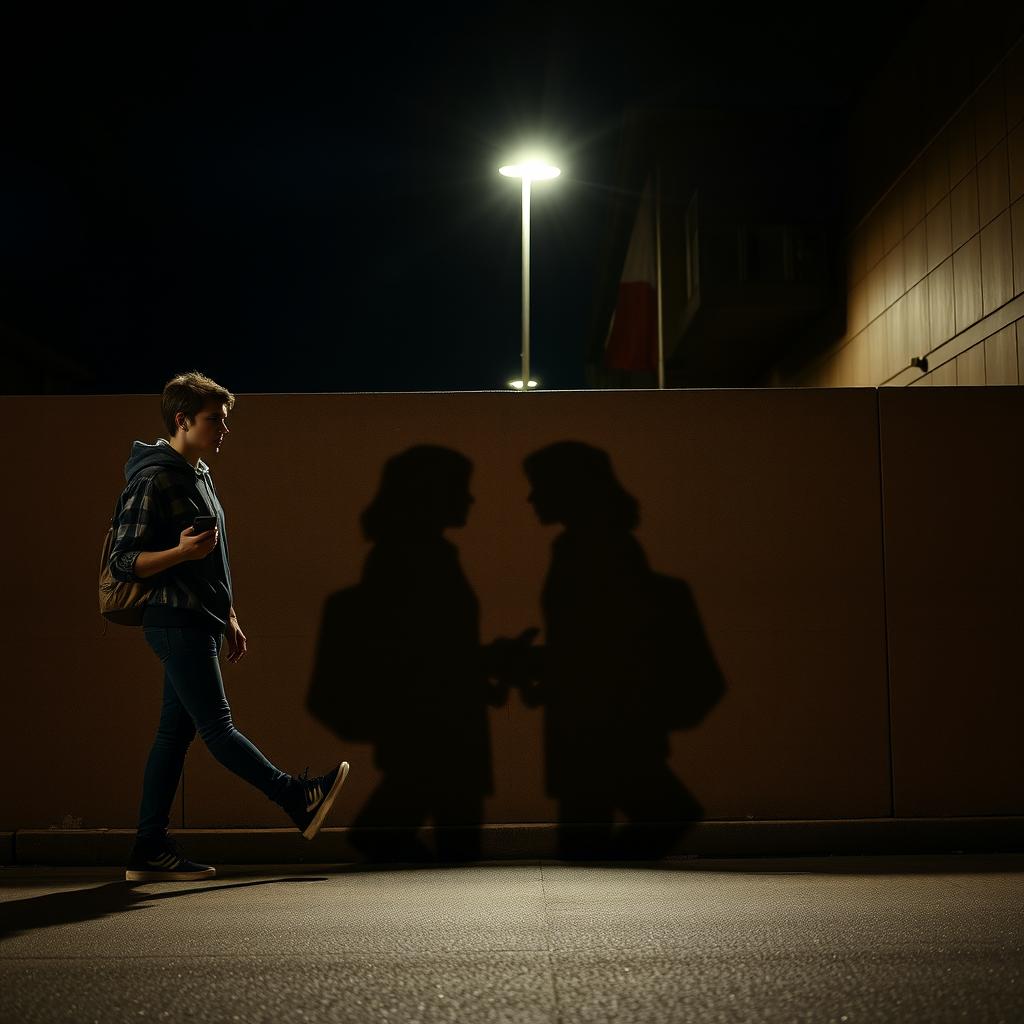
194, 700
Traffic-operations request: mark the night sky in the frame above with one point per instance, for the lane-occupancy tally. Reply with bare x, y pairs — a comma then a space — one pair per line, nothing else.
302, 198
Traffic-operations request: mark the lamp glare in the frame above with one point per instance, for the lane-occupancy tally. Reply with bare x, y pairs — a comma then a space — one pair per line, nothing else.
534, 170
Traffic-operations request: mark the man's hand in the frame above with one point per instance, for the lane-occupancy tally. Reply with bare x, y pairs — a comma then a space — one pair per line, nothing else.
236, 641
192, 546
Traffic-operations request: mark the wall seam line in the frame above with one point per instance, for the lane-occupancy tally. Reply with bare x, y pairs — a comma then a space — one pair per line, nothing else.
885, 608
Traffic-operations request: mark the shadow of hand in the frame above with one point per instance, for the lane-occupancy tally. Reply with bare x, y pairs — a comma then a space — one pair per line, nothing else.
513, 662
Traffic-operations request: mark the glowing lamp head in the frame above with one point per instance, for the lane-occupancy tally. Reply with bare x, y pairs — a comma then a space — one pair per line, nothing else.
533, 170
518, 384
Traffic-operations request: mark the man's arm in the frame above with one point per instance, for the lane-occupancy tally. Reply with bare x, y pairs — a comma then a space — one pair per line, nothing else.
136, 528
149, 563
134, 531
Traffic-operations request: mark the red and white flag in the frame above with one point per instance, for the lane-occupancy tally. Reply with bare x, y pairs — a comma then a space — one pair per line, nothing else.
632, 342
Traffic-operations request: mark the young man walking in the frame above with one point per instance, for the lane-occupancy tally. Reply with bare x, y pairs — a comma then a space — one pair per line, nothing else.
188, 614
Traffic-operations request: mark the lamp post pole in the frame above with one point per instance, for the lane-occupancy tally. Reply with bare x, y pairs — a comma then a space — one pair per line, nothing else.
529, 171
526, 283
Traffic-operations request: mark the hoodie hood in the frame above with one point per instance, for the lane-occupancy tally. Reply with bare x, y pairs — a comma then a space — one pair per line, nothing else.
159, 455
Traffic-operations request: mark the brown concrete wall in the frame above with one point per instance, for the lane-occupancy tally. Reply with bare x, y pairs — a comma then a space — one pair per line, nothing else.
766, 502
954, 490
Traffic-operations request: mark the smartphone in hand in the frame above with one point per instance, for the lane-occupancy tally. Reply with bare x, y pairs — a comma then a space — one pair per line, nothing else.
203, 523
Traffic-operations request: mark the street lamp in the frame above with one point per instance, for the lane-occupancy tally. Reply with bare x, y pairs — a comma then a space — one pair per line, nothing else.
529, 171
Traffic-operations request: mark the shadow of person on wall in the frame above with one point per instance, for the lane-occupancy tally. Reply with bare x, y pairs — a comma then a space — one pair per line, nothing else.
399, 665
625, 662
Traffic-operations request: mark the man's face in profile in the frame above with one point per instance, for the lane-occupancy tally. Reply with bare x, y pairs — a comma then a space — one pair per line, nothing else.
207, 432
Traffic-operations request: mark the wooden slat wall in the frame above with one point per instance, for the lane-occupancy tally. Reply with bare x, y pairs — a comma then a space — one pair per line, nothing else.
941, 250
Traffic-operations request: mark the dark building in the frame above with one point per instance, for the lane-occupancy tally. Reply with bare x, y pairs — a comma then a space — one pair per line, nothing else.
872, 235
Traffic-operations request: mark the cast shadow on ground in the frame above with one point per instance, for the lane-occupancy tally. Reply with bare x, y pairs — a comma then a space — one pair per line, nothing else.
96, 902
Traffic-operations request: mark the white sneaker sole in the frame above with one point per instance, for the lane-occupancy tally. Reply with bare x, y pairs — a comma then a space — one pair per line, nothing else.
318, 819
139, 875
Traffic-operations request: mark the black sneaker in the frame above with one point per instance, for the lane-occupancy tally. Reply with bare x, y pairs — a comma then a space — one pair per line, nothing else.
309, 800
161, 862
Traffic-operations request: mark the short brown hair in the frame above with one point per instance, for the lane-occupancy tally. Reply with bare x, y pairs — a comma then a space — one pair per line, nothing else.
188, 393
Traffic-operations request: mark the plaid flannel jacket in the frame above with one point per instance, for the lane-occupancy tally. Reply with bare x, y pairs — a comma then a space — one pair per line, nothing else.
153, 509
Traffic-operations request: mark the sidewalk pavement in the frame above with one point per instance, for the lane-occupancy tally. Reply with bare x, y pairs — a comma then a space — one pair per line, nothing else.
843, 939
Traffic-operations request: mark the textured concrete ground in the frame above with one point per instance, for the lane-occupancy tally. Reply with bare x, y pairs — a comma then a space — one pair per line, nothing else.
831, 940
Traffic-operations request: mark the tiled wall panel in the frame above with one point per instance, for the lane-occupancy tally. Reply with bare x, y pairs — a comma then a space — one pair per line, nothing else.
952, 221
915, 255
963, 203
970, 367
940, 304
990, 110
893, 275
915, 325
1017, 241
996, 264
1014, 73
963, 155
993, 184
936, 161
1001, 357
892, 220
1015, 161
914, 198
967, 301
939, 233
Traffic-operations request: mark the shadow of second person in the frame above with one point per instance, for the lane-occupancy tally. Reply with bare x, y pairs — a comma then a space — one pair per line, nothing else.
399, 665
625, 662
